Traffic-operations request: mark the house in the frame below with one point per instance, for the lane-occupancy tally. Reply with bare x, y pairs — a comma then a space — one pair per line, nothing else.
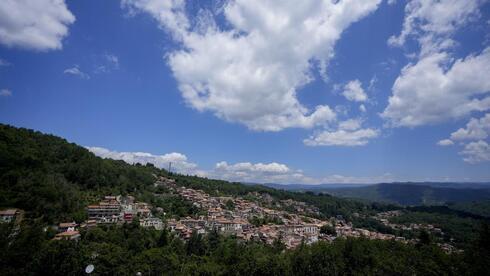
103, 209
310, 229
8, 215
89, 224
67, 226
152, 222
128, 217
68, 235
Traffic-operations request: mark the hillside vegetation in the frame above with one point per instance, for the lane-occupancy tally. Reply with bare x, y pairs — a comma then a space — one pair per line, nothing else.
53, 180
416, 193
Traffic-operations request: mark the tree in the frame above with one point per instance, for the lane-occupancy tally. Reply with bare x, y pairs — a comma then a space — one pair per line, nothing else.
163, 239
195, 244
230, 205
328, 230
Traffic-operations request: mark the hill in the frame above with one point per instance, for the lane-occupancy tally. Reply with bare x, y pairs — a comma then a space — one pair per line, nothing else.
53, 180
424, 193
415, 194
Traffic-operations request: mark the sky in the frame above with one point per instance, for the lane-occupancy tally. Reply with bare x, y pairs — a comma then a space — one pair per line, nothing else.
279, 91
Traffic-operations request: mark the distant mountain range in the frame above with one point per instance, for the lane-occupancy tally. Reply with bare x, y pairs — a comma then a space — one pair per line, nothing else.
409, 193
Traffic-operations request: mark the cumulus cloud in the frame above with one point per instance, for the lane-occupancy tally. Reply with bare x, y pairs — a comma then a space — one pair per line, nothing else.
342, 137
353, 91
362, 108
250, 72
432, 22
432, 90
5, 92
179, 161
273, 172
471, 137
259, 172
438, 87
351, 124
476, 152
476, 129
347, 133
75, 70
445, 142
282, 174
34, 24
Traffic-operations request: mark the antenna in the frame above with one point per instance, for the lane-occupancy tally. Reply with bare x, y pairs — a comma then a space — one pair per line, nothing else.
169, 166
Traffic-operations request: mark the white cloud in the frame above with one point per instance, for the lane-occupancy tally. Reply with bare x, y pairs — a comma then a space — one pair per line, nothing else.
108, 63
273, 172
259, 172
476, 129
5, 92
179, 161
476, 152
351, 124
342, 137
75, 70
259, 167
34, 24
445, 142
436, 87
432, 22
433, 91
251, 72
353, 91
282, 174
3, 62
362, 108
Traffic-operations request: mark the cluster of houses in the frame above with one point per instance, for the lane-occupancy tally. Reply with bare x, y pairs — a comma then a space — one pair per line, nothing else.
110, 210
245, 219
121, 209
291, 228
384, 218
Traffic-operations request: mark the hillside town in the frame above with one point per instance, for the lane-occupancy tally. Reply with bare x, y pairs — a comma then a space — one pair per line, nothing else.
247, 220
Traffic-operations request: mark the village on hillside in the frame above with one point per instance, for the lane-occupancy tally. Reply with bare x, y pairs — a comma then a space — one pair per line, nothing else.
245, 219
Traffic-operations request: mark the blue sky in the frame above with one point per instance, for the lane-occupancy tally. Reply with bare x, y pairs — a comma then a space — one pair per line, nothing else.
258, 91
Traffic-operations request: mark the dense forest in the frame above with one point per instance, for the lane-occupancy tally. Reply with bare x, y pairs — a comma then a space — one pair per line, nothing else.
417, 193
53, 180
128, 249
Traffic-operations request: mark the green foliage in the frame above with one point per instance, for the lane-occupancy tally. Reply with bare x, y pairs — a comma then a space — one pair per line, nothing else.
49, 177
53, 180
230, 205
328, 230
463, 229
112, 250
481, 208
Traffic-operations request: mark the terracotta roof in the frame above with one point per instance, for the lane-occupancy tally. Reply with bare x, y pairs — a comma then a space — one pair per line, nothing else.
8, 212
67, 224
68, 234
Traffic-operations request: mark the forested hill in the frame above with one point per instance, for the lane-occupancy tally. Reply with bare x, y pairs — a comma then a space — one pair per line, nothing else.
54, 179
417, 193
50, 177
